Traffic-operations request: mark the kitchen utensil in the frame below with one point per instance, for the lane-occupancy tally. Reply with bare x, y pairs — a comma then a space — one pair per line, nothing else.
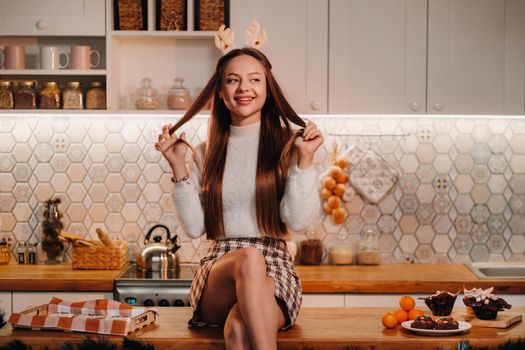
373, 177
13, 57
81, 57
504, 319
50, 58
158, 256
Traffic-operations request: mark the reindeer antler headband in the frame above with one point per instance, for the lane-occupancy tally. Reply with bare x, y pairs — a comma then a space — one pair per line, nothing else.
255, 37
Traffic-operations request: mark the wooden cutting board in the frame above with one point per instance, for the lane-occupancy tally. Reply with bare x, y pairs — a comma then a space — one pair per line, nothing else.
504, 319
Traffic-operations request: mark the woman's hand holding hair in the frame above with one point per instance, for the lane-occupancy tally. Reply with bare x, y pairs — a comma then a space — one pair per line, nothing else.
174, 149
307, 145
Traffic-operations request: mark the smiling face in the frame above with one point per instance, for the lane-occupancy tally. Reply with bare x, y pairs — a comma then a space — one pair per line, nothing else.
244, 89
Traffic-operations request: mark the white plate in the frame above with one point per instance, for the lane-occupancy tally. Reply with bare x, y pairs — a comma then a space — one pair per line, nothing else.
463, 326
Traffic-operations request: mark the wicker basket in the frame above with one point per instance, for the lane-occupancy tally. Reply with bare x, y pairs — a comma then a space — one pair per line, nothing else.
100, 257
210, 14
171, 14
129, 15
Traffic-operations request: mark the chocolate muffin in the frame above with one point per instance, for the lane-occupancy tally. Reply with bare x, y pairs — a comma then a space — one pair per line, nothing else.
447, 323
441, 303
485, 304
423, 322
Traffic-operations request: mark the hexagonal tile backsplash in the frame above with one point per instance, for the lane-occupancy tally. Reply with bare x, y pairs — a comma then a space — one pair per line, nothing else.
460, 195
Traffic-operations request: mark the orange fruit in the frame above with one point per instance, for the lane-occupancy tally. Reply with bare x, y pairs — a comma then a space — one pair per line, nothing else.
339, 190
407, 303
335, 171
342, 162
389, 320
412, 314
327, 209
342, 179
329, 182
401, 315
334, 202
325, 193
338, 216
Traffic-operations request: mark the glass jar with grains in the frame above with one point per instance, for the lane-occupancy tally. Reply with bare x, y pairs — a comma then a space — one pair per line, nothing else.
73, 96
368, 252
146, 96
5, 252
7, 95
178, 95
25, 96
311, 249
50, 96
96, 96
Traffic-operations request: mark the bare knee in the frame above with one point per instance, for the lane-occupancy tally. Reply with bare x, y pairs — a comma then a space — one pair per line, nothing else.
251, 263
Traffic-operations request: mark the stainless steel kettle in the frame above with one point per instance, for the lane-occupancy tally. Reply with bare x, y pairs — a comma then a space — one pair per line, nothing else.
158, 256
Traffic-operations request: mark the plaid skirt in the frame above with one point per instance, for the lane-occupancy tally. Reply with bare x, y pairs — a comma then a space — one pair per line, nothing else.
279, 266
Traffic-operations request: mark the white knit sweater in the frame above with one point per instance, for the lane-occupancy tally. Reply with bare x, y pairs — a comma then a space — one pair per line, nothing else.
298, 207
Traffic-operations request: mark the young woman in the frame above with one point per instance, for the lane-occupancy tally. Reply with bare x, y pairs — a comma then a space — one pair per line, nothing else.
250, 181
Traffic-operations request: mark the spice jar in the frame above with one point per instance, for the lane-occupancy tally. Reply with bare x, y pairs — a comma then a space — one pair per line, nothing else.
178, 95
96, 96
311, 249
146, 97
5, 253
73, 96
368, 252
7, 98
50, 96
25, 96
341, 252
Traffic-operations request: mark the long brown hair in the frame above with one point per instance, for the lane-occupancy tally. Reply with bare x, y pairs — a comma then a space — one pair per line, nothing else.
276, 142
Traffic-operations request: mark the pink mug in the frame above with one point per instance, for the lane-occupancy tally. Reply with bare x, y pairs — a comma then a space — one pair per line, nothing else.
81, 57
13, 57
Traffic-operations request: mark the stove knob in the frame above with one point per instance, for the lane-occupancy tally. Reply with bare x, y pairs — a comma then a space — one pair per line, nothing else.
164, 302
178, 302
149, 302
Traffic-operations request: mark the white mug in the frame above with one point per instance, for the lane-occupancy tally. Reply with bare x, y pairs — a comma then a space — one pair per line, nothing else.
50, 58
81, 57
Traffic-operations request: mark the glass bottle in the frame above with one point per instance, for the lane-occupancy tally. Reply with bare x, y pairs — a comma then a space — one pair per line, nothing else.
311, 249
178, 95
146, 96
96, 96
22, 252
25, 96
31, 253
73, 96
50, 96
5, 254
368, 252
7, 95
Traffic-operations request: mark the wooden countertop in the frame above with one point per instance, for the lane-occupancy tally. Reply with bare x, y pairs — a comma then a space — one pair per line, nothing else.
394, 278
330, 328
61, 277
399, 278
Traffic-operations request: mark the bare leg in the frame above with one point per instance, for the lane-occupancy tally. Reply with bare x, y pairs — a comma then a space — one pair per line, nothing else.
240, 277
235, 334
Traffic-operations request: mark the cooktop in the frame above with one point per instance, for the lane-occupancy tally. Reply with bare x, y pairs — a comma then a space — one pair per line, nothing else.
182, 272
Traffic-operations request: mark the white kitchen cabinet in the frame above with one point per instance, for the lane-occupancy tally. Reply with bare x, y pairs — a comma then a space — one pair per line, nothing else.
467, 58
52, 17
5, 303
297, 46
476, 57
377, 56
23, 300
